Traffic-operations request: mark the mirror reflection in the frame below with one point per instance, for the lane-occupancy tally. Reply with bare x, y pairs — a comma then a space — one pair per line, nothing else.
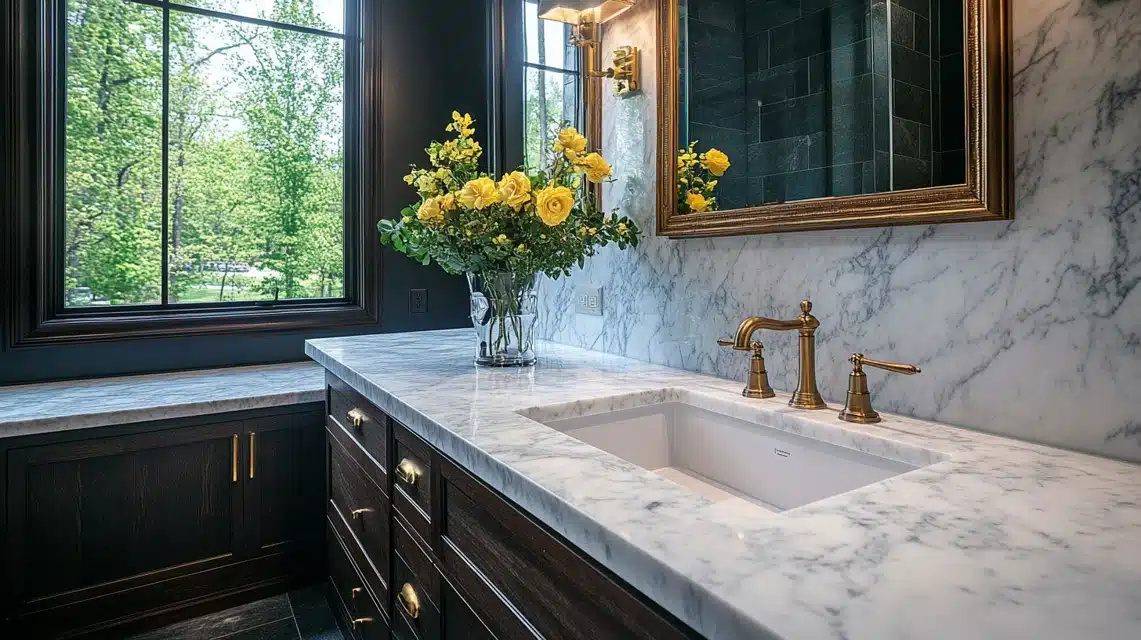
817, 98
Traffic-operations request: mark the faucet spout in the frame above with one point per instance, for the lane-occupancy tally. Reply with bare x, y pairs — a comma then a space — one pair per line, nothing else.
806, 396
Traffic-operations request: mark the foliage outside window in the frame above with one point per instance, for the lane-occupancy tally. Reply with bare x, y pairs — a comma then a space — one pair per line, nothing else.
204, 151
552, 89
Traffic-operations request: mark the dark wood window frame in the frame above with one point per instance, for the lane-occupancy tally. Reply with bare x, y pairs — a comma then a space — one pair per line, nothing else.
31, 130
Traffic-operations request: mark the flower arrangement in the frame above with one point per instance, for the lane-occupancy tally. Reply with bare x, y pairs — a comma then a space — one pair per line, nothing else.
697, 176
501, 233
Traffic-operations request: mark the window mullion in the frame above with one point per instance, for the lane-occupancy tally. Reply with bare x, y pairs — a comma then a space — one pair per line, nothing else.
164, 282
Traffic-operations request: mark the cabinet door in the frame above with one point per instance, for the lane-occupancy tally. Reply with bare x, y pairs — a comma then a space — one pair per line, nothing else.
283, 472
95, 517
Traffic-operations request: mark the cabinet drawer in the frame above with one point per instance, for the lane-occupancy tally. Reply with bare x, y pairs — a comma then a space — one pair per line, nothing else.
360, 513
366, 426
412, 569
412, 481
347, 583
510, 567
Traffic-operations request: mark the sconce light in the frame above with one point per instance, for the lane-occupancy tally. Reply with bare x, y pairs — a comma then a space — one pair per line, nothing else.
586, 16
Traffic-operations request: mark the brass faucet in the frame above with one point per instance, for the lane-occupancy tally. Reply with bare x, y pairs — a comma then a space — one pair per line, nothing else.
806, 396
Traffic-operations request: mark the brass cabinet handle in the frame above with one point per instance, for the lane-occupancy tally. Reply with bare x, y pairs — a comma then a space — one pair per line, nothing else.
357, 513
356, 416
253, 455
408, 472
359, 621
234, 458
353, 593
409, 600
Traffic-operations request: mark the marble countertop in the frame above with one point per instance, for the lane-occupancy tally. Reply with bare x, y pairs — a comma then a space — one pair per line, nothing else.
62, 406
995, 539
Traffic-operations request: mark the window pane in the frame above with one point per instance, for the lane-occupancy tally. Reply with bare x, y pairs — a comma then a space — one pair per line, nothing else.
548, 42
255, 161
327, 15
113, 171
551, 102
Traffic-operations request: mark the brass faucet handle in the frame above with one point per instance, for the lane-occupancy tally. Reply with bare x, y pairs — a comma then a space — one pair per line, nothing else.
728, 342
858, 407
859, 360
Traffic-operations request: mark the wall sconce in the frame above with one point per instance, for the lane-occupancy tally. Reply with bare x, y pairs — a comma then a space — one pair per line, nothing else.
585, 16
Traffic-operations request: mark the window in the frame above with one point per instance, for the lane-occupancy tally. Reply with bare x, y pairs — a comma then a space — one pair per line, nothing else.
204, 153
552, 91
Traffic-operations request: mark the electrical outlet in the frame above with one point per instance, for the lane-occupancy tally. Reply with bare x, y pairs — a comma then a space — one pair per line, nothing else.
588, 300
418, 300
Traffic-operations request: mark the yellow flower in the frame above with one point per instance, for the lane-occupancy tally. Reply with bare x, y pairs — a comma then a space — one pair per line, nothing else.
570, 142
711, 185
447, 201
696, 202
479, 194
594, 166
622, 227
592, 231
515, 189
409, 179
716, 161
501, 239
554, 204
430, 212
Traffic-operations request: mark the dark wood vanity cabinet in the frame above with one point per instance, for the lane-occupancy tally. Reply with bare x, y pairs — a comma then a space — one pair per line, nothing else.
451, 558
121, 527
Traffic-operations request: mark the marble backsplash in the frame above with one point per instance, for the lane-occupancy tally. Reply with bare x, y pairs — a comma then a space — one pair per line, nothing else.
1029, 328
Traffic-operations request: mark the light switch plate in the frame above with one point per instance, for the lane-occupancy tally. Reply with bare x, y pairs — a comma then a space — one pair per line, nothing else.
588, 301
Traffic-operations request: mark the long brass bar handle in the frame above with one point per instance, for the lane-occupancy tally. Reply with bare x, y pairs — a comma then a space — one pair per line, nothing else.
253, 454
234, 458
409, 600
859, 359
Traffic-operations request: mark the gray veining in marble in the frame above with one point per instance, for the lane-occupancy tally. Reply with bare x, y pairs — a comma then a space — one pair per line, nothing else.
995, 538
1029, 328
62, 406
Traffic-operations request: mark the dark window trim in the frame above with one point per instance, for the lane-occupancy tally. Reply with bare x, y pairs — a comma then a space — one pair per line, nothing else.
30, 132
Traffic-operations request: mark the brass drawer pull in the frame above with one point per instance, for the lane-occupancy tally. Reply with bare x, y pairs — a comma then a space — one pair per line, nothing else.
253, 454
357, 513
353, 593
234, 458
408, 472
360, 621
356, 416
409, 600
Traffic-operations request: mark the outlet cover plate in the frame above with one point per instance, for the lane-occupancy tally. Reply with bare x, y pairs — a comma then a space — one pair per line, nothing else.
588, 300
418, 300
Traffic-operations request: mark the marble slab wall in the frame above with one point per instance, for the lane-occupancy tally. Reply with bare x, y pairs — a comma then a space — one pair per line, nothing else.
1029, 328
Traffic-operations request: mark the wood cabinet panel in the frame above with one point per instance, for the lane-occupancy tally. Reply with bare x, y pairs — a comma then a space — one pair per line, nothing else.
458, 620
557, 591
412, 480
365, 425
283, 491
362, 510
91, 512
124, 526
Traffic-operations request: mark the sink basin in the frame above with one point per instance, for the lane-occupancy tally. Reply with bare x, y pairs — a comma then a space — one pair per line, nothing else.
721, 457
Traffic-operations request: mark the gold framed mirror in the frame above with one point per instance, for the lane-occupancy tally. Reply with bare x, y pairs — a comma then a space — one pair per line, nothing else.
832, 114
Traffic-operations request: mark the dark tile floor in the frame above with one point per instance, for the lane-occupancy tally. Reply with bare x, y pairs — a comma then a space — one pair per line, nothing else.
299, 615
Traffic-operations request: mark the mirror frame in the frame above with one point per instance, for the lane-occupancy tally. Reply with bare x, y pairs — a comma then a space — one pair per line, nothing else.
987, 194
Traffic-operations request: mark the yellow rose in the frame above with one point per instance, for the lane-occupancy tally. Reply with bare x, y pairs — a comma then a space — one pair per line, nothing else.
554, 204
515, 189
716, 161
570, 142
447, 201
430, 212
594, 166
479, 194
696, 202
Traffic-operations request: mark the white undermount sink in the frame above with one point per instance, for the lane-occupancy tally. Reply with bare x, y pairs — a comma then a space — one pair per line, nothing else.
722, 457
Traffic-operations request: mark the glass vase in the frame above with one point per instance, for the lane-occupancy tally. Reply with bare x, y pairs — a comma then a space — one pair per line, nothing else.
504, 307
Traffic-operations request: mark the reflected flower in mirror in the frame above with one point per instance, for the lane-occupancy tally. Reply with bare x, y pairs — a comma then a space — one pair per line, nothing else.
697, 177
